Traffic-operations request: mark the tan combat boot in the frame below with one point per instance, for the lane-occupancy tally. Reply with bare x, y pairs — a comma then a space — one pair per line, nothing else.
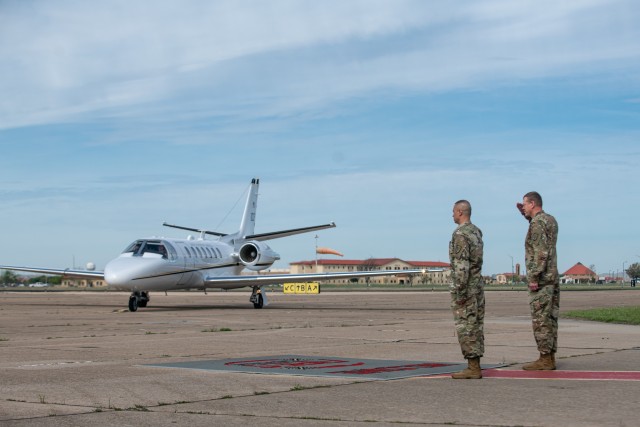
546, 362
473, 372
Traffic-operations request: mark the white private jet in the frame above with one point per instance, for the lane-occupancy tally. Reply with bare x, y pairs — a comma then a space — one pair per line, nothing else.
163, 264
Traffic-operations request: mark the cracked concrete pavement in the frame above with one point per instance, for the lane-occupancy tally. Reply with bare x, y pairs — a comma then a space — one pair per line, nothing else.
76, 358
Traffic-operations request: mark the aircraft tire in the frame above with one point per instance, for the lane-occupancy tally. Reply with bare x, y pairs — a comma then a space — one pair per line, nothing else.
133, 303
260, 302
143, 300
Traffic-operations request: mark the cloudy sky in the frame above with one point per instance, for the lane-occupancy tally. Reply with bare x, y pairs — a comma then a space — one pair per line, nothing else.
116, 116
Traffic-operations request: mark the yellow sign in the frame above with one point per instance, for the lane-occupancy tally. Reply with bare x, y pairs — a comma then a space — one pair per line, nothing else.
302, 288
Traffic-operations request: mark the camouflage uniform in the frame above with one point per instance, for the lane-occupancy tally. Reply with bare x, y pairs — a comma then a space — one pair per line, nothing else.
467, 289
542, 268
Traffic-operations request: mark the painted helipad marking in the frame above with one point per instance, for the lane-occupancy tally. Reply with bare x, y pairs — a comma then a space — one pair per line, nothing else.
341, 367
565, 375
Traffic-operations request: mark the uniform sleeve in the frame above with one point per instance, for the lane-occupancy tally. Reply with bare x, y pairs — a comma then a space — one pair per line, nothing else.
540, 249
460, 265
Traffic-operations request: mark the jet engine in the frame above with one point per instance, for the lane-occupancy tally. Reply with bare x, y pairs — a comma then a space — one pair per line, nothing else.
257, 256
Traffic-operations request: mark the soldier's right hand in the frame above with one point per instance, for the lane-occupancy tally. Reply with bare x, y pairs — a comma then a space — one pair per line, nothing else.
461, 300
520, 207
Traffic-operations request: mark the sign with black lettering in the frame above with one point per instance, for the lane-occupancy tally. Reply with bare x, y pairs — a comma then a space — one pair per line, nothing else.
302, 288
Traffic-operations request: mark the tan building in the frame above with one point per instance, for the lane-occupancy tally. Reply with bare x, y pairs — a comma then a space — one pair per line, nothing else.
505, 278
83, 283
440, 277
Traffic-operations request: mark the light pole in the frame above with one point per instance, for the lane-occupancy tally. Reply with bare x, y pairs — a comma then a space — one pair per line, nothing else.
512, 273
623, 263
316, 253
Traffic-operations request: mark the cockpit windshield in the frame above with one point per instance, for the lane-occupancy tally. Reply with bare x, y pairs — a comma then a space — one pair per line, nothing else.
151, 249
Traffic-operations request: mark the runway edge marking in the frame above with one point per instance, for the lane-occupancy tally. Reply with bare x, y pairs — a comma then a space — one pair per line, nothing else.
564, 375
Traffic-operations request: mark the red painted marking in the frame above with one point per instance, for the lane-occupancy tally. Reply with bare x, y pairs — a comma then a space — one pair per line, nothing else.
564, 375
294, 363
381, 369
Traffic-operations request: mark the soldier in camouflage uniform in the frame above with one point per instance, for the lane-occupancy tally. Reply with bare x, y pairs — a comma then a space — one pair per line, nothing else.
542, 276
467, 289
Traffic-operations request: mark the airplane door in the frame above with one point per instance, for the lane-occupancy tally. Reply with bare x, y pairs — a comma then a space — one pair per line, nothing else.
187, 260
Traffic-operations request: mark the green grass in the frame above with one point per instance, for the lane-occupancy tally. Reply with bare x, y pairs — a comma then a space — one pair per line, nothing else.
626, 315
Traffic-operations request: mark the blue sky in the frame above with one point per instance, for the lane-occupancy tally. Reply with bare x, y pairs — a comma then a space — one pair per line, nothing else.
116, 116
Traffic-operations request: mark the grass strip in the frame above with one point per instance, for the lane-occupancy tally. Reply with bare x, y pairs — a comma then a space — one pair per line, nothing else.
625, 315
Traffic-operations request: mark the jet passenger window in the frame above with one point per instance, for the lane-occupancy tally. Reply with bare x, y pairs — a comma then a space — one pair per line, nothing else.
173, 254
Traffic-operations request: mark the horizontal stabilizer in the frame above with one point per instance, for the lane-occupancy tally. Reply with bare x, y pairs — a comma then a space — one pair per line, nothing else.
285, 233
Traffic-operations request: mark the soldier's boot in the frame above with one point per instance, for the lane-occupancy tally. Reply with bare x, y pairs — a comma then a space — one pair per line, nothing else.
546, 362
472, 372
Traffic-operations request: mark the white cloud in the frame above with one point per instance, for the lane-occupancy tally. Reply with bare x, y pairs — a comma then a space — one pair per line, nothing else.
64, 59
93, 55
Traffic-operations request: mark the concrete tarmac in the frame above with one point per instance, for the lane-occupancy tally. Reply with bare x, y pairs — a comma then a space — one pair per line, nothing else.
78, 358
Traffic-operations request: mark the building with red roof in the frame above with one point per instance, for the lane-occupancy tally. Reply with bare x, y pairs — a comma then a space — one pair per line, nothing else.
579, 273
440, 274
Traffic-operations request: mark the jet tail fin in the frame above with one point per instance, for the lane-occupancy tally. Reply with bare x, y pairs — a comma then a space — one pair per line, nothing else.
248, 223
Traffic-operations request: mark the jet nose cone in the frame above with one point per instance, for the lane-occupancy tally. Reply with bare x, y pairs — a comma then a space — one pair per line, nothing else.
115, 274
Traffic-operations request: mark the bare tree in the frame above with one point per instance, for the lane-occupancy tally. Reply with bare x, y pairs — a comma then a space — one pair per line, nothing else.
634, 270
411, 276
368, 264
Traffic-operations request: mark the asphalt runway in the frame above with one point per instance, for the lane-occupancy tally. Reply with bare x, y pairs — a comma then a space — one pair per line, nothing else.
80, 358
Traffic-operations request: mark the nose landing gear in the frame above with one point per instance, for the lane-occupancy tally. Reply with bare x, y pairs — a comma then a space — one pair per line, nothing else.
258, 299
138, 299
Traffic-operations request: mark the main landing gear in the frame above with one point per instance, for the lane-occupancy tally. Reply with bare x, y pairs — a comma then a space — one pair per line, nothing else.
138, 299
258, 299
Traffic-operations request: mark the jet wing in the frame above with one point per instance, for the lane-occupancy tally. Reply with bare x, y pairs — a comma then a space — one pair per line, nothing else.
81, 274
272, 279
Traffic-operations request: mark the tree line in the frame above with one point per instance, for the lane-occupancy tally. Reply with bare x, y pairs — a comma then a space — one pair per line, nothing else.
9, 278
